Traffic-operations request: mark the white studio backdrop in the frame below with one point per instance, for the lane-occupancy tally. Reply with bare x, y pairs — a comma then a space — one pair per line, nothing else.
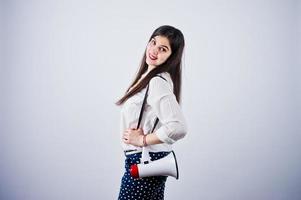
65, 63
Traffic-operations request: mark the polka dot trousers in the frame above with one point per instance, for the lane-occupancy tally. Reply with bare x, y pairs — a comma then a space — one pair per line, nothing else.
147, 188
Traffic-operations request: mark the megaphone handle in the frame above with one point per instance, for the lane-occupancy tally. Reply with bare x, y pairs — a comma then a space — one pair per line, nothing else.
145, 157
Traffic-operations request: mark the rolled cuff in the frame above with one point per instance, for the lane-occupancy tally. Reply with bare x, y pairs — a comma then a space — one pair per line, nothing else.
171, 136
161, 134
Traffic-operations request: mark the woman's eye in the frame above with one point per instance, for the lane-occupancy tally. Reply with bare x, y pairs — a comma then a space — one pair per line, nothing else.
162, 49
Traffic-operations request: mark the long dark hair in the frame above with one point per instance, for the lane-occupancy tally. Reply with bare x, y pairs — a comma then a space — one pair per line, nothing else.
173, 65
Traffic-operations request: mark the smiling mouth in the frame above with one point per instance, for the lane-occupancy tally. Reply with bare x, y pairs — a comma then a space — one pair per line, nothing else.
152, 57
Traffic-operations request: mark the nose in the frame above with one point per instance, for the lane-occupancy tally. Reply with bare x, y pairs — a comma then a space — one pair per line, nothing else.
154, 51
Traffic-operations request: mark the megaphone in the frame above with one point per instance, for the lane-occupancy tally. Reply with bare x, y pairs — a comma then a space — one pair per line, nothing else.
166, 166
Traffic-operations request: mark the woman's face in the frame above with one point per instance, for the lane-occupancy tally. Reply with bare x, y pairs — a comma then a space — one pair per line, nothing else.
158, 50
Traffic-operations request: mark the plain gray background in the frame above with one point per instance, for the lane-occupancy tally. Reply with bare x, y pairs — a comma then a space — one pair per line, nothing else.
65, 63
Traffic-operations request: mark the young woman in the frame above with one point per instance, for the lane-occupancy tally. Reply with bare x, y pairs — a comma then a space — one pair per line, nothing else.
160, 70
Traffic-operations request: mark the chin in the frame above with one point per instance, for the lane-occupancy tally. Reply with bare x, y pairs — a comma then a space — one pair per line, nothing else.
151, 63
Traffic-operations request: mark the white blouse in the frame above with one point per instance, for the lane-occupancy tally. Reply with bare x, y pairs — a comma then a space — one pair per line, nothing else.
161, 102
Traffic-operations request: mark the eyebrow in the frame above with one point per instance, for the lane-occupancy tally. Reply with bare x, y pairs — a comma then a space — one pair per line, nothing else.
162, 45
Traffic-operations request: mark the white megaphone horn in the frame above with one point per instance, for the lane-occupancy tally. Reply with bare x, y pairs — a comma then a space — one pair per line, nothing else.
166, 166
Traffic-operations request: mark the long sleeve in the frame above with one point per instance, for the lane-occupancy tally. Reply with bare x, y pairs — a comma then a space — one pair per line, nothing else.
163, 101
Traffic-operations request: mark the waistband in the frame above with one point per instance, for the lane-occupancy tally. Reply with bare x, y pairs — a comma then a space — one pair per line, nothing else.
132, 151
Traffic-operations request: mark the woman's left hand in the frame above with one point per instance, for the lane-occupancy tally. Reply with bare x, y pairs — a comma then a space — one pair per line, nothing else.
133, 136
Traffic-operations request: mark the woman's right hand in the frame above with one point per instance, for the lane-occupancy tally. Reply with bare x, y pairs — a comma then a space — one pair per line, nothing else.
133, 136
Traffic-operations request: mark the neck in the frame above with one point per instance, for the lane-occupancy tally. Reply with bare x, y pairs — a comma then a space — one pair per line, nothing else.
150, 68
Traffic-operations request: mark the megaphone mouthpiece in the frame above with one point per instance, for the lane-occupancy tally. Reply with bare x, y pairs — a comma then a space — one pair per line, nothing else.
134, 171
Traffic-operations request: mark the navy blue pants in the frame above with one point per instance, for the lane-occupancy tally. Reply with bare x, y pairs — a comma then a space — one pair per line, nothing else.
147, 188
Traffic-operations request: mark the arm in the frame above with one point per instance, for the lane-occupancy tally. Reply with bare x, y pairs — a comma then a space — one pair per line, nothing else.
151, 139
135, 137
162, 99
167, 109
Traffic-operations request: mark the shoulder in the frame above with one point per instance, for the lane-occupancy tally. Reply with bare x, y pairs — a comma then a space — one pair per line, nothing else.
160, 82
